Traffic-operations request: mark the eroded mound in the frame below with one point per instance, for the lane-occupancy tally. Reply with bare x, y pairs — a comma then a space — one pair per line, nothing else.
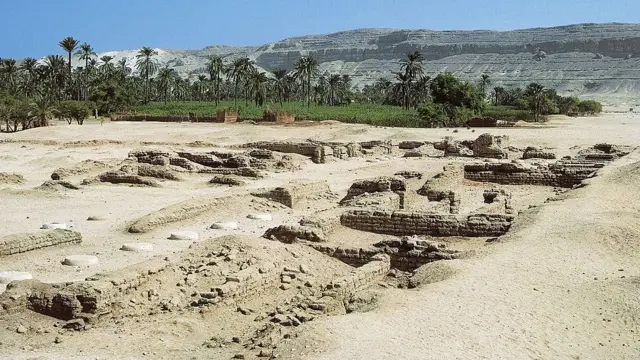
11, 178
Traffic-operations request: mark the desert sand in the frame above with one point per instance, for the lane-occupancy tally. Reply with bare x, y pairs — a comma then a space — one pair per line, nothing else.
562, 283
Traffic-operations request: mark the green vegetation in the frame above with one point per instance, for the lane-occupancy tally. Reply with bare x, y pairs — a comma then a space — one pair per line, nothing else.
373, 114
31, 93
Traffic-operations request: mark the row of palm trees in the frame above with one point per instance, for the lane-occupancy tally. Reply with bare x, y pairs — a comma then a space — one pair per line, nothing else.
114, 83
56, 78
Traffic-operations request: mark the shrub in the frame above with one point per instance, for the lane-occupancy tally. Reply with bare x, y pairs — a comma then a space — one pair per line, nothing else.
589, 107
433, 115
74, 110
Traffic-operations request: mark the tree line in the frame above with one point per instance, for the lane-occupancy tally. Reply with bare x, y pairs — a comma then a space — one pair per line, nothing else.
32, 91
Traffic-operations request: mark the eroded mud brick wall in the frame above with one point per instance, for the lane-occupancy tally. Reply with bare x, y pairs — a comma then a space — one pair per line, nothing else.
559, 175
402, 223
19, 243
365, 276
291, 195
318, 154
71, 300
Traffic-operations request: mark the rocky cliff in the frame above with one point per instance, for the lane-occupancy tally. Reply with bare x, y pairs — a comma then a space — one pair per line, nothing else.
591, 60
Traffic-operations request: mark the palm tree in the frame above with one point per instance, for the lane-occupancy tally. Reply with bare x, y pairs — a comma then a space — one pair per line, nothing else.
165, 78
412, 66
306, 68
247, 69
258, 86
42, 109
146, 66
237, 71
484, 82
334, 83
54, 75
420, 90
498, 95
402, 88
9, 71
536, 94
29, 68
69, 44
123, 69
86, 52
216, 68
279, 83
200, 83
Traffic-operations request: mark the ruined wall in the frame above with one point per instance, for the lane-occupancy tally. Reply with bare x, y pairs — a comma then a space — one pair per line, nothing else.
170, 118
561, 174
324, 220
294, 193
247, 282
19, 243
291, 233
537, 153
404, 254
84, 299
489, 146
416, 223
318, 153
381, 184
365, 276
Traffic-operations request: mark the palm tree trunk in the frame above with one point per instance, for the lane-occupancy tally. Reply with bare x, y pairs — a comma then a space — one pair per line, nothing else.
69, 67
309, 90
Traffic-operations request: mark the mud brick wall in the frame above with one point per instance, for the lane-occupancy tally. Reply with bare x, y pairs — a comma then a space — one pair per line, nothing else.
319, 154
247, 282
289, 234
363, 277
241, 171
351, 256
202, 158
410, 144
416, 223
291, 195
165, 118
19, 243
537, 153
489, 146
397, 185
561, 175
92, 297
378, 200
324, 220
223, 116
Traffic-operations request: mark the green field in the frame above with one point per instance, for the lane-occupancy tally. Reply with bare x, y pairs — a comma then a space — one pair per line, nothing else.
372, 114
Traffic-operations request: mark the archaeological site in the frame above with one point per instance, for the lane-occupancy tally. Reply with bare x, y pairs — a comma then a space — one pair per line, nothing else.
242, 241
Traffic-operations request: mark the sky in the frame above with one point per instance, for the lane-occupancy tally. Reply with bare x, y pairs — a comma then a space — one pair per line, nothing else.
32, 28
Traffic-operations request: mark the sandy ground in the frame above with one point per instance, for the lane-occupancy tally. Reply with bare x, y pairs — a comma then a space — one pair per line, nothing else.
562, 285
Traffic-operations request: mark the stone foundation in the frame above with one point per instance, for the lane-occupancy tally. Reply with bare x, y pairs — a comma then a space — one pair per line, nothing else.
405, 254
561, 174
293, 194
489, 146
401, 223
365, 276
381, 184
19, 243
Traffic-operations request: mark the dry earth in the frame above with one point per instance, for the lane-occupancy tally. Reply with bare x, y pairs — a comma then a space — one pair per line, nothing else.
562, 283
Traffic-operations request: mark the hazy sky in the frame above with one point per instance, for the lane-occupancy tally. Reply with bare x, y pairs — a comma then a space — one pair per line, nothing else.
33, 27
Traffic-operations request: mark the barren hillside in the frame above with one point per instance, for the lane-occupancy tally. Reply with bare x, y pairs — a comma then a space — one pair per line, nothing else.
593, 60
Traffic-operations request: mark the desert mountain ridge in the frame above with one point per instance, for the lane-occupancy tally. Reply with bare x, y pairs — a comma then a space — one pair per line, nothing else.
591, 60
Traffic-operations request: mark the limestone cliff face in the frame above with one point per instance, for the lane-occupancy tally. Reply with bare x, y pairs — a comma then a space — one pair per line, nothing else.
592, 60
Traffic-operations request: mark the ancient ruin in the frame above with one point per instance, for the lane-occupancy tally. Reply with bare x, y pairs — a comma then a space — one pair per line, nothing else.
268, 237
